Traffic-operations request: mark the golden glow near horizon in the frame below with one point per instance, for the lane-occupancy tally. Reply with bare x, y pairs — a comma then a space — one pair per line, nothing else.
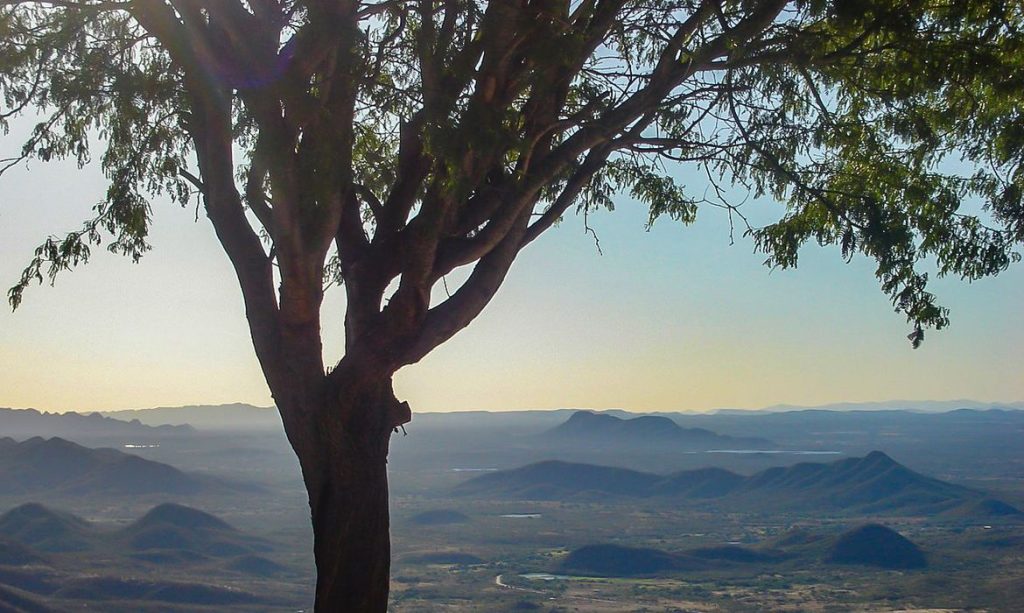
668, 320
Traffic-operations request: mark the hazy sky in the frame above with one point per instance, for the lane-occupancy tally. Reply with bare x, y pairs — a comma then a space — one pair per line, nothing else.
671, 319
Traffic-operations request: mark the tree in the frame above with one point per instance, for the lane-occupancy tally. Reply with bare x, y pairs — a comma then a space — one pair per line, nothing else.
383, 145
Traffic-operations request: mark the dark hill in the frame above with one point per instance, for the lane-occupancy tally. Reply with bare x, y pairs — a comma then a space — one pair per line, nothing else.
872, 484
876, 545
179, 532
587, 427
44, 529
439, 517
618, 561
59, 466
182, 517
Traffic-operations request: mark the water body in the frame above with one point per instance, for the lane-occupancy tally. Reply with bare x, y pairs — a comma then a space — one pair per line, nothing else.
774, 451
545, 577
522, 515
134, 446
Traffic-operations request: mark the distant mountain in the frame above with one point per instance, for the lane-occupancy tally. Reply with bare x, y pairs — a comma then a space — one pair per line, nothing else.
924, 406
25, 423
555, 480
58, 466
876, 545
962, 432
236, 416
872, 484
607, 430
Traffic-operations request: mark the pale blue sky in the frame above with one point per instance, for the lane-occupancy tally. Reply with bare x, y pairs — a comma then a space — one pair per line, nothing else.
671, 319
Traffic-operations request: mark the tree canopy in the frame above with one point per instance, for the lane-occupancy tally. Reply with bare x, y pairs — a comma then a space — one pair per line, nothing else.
385, 144
458, 131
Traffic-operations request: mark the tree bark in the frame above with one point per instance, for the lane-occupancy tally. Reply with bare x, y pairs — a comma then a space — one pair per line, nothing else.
342, 449
351, 534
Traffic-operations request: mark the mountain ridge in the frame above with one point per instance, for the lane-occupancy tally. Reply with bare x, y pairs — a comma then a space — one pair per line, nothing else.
874, 483
231, 416
27, 423
649, 430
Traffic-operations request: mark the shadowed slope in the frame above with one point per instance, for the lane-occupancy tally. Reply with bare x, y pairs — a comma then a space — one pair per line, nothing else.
186, 532
876, 545
44, 529
872, 484
56, 466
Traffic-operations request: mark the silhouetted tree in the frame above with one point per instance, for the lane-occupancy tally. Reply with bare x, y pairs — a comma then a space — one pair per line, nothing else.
385, 144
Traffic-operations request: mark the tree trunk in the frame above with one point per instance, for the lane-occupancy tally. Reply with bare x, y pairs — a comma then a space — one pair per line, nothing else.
343, 450
351, 534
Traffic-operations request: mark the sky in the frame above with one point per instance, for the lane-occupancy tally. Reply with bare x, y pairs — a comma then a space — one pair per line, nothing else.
671, 319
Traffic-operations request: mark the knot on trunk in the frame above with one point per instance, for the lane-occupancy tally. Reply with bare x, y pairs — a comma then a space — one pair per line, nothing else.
399, 414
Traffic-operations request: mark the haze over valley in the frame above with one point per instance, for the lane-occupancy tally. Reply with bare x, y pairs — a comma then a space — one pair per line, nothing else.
203, 509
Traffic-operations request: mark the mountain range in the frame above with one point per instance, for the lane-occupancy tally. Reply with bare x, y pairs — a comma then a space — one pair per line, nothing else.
235, 416
25, 423
872, 484
59, 466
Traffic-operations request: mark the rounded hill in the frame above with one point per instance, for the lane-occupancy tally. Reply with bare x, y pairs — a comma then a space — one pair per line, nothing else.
44, 529
182, 517
876, 545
